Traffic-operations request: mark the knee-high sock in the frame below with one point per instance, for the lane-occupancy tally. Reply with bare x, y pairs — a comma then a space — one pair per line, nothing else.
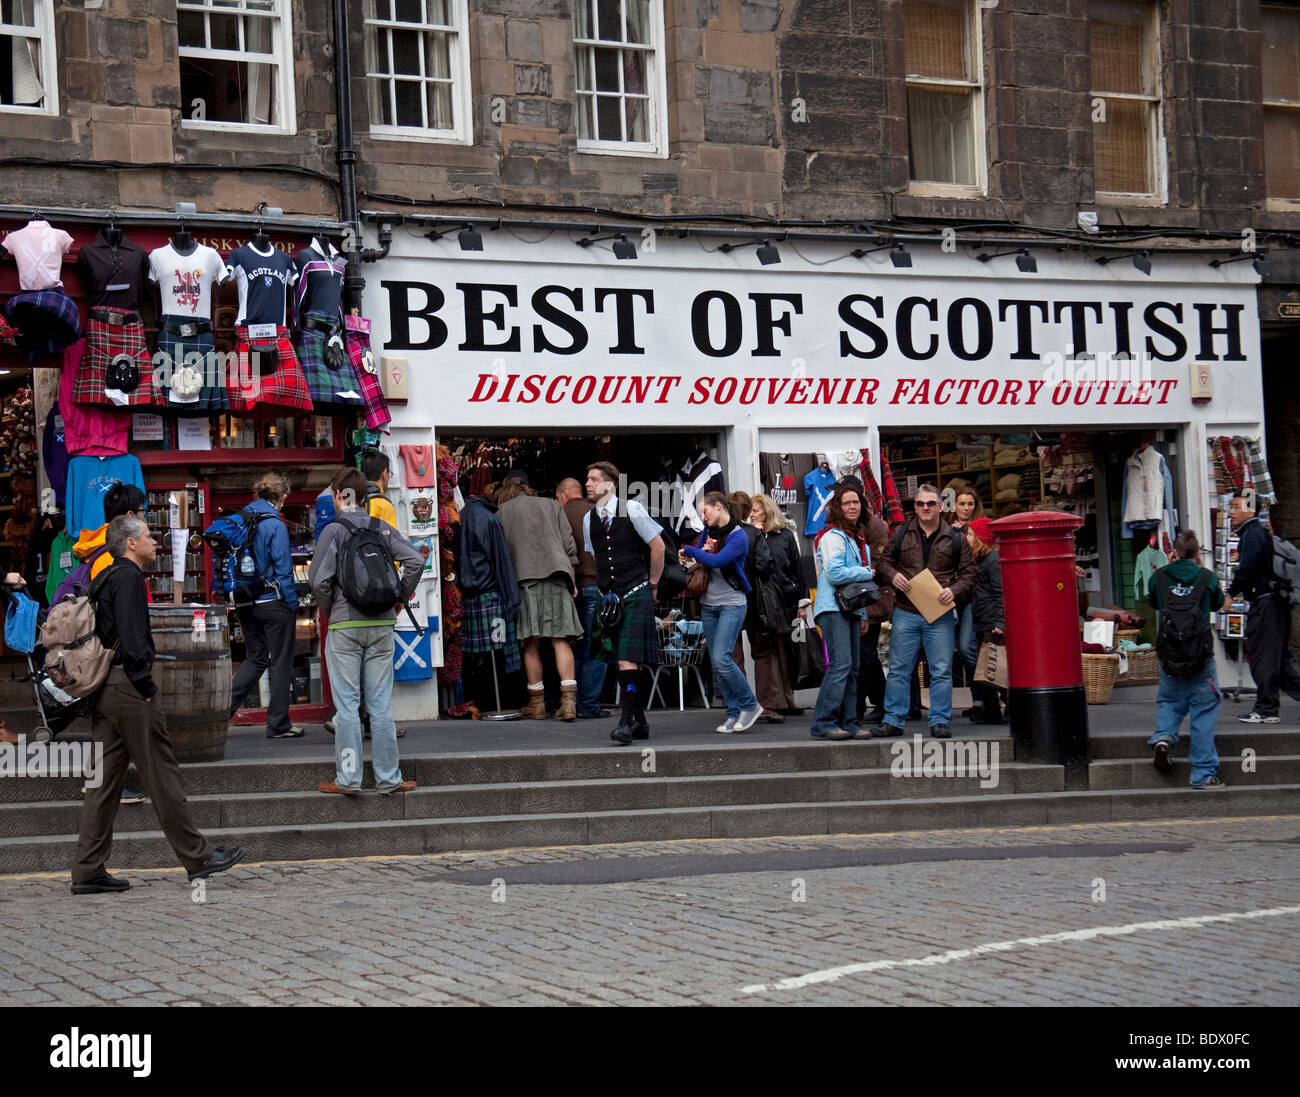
629, 693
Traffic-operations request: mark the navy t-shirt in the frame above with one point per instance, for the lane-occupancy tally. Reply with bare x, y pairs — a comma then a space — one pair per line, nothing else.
320, 282
263, 279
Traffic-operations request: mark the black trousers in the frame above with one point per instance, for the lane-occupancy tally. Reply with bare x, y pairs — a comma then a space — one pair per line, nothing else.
871, 675
1272, 663
268, 642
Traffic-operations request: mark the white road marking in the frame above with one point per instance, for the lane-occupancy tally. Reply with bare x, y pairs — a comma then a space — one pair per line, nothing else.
830, 975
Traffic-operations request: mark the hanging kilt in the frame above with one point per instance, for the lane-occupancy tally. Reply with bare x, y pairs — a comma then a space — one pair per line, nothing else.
284, 388
47, 321
367, 374
636, 639
109, 333
196, 351
325, 384
481, 610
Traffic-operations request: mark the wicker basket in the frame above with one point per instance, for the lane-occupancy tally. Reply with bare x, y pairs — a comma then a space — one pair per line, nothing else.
1099, 673
1133, 634
1142, 668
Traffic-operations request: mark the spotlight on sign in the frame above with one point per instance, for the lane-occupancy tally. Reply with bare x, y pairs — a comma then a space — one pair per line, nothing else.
898, 253
1262, 266
1025, 263
767, 253
1141, 260
470, 239
623, 247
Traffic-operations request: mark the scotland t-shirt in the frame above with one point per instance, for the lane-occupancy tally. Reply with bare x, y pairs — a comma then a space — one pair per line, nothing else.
263, 278
185, 281
818, 484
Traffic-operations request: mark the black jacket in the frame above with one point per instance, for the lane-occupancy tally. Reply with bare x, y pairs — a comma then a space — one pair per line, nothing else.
1254, 573
122, 618
484, 558
986, 597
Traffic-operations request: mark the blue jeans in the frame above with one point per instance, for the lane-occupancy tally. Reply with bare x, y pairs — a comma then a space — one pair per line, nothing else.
837, 699
967, 644
722, 625
1196, 695
906, 636
362, 658
590, 672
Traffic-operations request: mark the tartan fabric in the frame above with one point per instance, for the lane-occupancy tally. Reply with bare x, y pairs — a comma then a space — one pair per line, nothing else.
323, 383
283, 389
212, 397
450, 671
875, 500
372, 393
1258, 469
636, 639
893, 512
1232, 464
104, 342
47, 320
481, 613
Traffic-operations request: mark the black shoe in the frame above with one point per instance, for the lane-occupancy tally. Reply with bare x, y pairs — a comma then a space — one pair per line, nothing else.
981, 717
220, 860
1162, 757
329, 725
600, 714
973, 711
940, 731
876, 717
294, 732
888, 730
100, 885
640, 728
132, 795
791, 711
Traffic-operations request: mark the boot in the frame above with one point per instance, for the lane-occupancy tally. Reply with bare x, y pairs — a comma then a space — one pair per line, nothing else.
536, 707
568, 709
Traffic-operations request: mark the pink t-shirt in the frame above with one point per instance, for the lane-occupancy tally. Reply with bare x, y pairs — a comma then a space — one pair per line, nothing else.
421, 466
38, 249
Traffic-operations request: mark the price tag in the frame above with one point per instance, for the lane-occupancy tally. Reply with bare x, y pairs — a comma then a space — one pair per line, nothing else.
262, 331
200, 626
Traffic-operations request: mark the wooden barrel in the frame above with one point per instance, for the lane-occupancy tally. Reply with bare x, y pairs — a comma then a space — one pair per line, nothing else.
192, 669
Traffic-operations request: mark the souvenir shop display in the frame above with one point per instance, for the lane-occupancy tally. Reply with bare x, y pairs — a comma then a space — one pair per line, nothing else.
319, 270
185, 272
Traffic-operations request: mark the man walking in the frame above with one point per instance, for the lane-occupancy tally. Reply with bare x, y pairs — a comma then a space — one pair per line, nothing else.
590, 672
130, 726
1268, 621
618, 541
927, 541
359, 643
1184, 594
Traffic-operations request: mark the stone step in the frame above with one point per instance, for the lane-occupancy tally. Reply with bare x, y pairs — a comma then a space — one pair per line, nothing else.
308, 806
148, 849
1261, 738
1122, 773
274, 775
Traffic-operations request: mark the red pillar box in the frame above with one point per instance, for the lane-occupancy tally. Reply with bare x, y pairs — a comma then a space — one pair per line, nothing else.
1046, 704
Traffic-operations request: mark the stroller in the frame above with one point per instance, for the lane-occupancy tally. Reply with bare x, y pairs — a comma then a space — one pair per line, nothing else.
56, 710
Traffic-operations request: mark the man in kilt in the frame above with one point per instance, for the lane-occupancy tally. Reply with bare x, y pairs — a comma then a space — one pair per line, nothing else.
618, 535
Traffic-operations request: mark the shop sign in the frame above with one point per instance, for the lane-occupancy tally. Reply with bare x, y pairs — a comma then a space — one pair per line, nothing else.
146, 427
1289, 310
501, 341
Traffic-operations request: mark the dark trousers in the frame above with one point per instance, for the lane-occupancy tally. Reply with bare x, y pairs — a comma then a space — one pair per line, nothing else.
1272, 663
268, 641
871, 675
771, 670
131, 729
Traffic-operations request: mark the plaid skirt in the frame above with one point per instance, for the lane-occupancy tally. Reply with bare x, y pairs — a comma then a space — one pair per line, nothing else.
104, 343
48, 322
282, 389
181, 351
547, 609
636, 639
367, 373
323, 383
482, 611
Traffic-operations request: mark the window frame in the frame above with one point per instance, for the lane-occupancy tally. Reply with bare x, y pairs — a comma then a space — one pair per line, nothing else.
926, 188
42, 30
281, 20
1157, 149
655, 51
462, 99
1277, 202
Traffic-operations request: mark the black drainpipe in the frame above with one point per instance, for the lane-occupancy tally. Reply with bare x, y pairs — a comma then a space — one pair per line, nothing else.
353, 283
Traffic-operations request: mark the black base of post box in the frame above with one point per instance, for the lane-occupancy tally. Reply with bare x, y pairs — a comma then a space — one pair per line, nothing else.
1050, 726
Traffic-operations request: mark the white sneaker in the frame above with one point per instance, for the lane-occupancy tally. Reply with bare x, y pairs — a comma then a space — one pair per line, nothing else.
1256, 718
727, 726
748, 718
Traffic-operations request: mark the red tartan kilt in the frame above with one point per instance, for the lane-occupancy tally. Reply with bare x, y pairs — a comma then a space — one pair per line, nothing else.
283, 389
104, 342
372, 392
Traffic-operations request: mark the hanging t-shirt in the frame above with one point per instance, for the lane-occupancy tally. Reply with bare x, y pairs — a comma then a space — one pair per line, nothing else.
422, 512
38, 248
817, 485
319, 279
783, 473
61, 562
263, 279
54, 453
113, 276
421, 466
88, 429
185, 281
89, 479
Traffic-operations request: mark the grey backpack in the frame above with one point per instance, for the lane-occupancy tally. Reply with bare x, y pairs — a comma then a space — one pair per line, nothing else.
75, 657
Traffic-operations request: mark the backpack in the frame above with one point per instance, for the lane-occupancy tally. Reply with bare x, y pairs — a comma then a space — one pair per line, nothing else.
75, 658
78, 579
1286, 571
20, 622
1184, 642
236, 575
367, 571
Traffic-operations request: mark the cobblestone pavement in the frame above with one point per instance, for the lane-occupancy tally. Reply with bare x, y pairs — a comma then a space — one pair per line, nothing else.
600, 925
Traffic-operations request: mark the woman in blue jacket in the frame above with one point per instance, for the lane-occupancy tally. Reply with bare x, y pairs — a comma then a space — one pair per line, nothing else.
843, 557
723, 547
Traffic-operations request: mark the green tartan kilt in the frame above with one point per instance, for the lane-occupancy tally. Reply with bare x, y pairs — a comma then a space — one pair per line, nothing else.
636, 639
